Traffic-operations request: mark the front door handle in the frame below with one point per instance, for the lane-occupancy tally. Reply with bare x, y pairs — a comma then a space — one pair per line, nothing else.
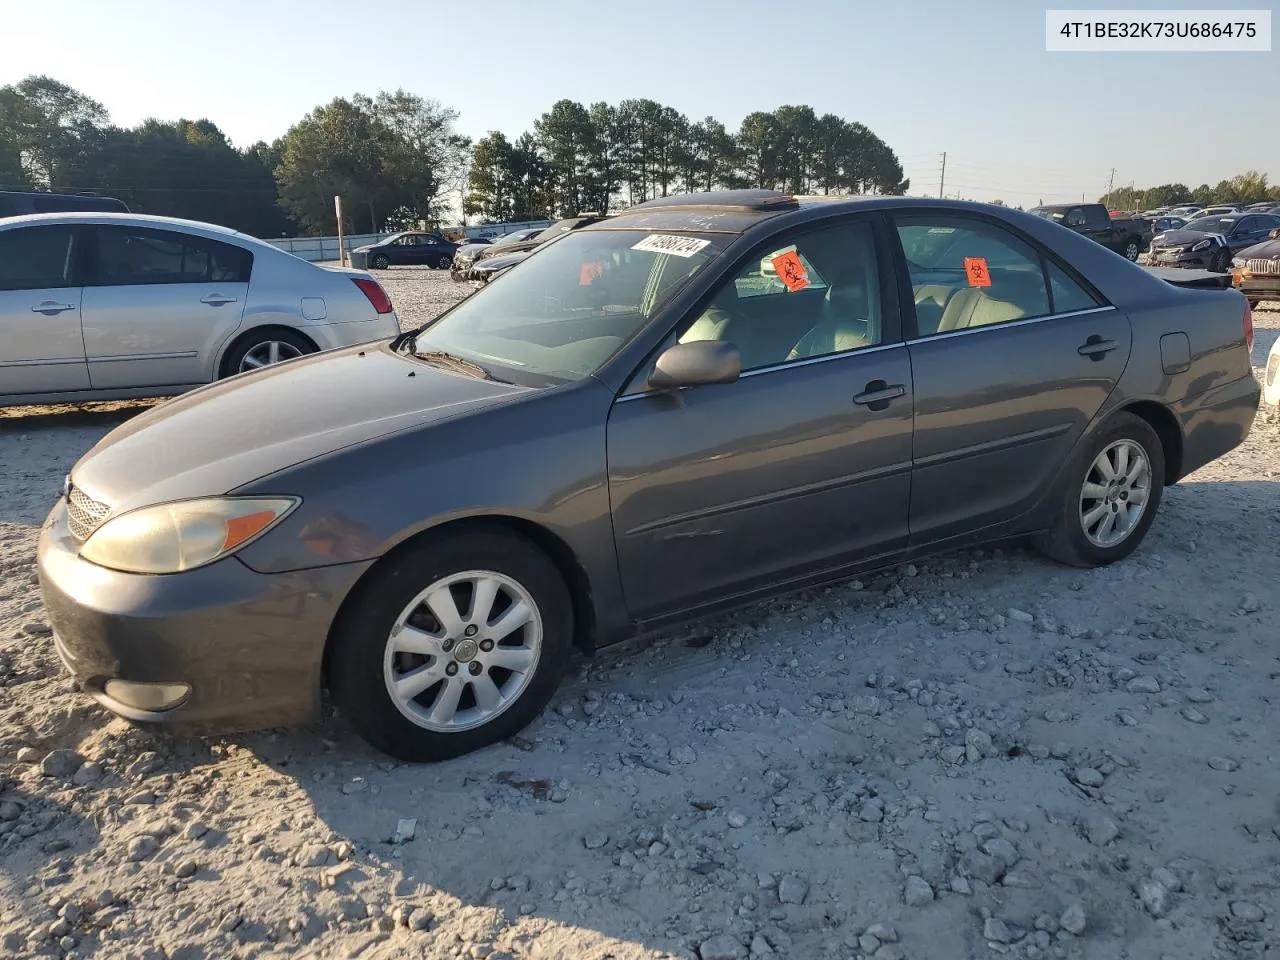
52, 306
217, 299
1095, 348
878, 393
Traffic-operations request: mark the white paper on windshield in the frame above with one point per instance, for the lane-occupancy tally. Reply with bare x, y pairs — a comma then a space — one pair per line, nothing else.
676, 246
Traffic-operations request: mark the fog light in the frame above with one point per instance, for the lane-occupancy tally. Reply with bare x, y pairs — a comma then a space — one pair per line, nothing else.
147, 696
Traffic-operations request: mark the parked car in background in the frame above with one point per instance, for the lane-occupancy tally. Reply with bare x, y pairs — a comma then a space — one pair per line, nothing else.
17, 204
1255, 270
1220, 210
109, 306
1187, 210
1127, 237
467, 254
1211, 242
493, 262
700, 402
408, 248
1164, 222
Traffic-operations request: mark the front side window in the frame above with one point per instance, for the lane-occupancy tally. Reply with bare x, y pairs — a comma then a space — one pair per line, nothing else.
560, 314
127, 256
36, 258
970, 273
816, 296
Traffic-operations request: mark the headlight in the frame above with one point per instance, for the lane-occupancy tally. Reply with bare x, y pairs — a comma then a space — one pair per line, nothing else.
172, 537
1237, 262
1202, 245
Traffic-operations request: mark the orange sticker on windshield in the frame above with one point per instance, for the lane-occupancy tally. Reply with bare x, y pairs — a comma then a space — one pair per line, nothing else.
589, 272
791, 271
976, 269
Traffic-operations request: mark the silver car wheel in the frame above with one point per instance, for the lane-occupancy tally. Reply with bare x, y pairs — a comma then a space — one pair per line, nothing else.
462, 651
1115, 492
267, 353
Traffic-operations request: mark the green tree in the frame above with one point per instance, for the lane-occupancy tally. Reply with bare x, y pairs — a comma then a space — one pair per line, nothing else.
46, 123
566, 137
758, 142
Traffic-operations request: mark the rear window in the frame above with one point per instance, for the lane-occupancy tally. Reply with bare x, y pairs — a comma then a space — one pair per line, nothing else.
130, 256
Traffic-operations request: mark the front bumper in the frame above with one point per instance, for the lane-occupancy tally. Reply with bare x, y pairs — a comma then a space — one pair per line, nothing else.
248, 645
1217, 421
1257, 286
1199, 260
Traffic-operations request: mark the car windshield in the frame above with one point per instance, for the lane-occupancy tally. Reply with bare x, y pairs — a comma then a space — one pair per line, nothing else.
1211, 224
510, 238
563, 312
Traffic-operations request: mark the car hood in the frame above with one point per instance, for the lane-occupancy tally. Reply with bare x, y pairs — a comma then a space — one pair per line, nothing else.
1179, 237
491, 264
220, 437
520, 246
1267, 250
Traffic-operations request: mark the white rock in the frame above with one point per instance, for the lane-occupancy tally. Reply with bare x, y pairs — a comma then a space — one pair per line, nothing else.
994, 929
1020, 616
917, 892
723, 947
792, 889
1250, 912
1073, 919
1145, 684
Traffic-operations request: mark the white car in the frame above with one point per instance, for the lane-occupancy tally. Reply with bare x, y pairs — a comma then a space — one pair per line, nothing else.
112, 306
1271, 377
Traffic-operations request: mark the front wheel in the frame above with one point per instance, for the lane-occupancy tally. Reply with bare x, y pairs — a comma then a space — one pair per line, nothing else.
380, 262
452, 646
1131, 251
1222, 261
1110, 496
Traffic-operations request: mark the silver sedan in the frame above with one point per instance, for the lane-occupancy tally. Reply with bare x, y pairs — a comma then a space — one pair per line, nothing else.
112, 306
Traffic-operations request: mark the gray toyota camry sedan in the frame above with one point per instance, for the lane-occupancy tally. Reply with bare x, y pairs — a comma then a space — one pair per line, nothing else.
686, 407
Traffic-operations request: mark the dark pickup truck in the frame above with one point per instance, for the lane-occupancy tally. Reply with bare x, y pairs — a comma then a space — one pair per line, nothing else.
1126, 237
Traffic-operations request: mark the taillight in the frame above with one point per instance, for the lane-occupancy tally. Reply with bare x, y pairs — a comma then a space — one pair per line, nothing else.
1248, 325
373, 290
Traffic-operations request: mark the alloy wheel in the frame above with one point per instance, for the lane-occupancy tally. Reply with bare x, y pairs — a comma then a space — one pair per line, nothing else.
1115, 493
267, 353
463, 651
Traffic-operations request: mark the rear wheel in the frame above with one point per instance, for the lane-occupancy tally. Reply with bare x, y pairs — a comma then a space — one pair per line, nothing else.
265, 348
452, 646
1110, 496
1131, 251
444, 262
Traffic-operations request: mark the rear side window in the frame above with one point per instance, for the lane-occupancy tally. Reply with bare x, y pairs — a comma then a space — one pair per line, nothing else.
35, 258
969, 273
128, 256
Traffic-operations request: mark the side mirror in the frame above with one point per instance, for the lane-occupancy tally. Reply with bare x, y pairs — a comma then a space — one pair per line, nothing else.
1275, 234
695, 363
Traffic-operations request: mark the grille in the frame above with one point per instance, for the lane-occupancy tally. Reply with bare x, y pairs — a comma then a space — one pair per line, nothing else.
84, 515
1263, 266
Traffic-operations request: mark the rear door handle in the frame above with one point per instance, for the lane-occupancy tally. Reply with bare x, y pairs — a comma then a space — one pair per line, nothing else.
878, 394
1095, 348
217, 299
50, 306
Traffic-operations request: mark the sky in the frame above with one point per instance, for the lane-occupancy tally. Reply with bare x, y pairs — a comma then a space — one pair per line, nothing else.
968, 77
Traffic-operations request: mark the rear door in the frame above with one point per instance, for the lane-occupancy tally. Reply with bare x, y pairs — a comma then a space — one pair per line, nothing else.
1007, 374
41, 349
158, 303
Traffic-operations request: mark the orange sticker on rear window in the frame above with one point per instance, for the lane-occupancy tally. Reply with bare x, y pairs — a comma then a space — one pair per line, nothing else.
976, 269
791, 271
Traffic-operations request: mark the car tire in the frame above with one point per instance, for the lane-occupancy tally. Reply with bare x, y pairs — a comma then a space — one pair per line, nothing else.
1221, 261
444, 263
262, 345
1086, 496
380, 262
1131, 251
391, 613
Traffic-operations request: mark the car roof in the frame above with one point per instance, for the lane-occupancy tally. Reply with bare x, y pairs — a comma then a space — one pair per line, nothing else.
737, 211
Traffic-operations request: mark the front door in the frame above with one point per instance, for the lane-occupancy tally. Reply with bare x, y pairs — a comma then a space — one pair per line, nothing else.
41, 350
158, 304
1009, 370
800, 465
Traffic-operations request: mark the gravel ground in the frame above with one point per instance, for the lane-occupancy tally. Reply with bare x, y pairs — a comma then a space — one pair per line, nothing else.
980, 755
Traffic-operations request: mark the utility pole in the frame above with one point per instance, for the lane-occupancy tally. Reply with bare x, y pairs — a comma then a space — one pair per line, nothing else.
942, 181
1110, 183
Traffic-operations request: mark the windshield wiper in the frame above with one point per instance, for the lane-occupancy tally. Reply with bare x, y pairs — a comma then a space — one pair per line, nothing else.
456, 362
407, 337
